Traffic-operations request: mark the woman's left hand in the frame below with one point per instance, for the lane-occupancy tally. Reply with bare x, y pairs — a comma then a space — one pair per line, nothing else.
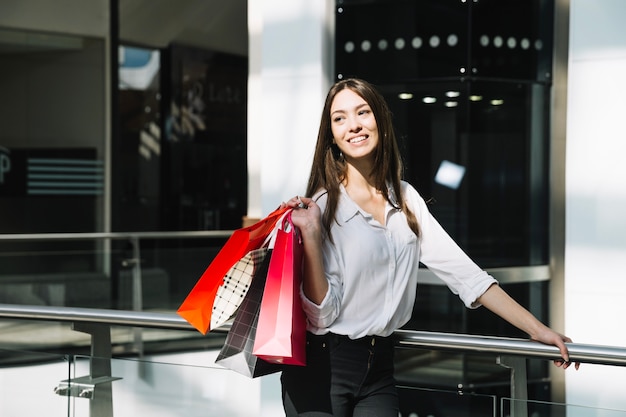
550, 337
498, 301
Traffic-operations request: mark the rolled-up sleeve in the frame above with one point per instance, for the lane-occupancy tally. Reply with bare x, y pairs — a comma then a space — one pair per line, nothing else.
321, 316
318, 316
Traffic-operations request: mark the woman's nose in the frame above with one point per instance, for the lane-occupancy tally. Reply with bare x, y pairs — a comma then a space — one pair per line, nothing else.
354, 124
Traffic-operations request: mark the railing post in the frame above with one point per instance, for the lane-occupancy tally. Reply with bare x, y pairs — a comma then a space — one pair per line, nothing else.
519, 383
97, 385
137, 295
136, 289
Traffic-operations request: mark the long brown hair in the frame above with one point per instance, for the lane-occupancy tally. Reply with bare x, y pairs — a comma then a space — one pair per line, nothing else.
329, 168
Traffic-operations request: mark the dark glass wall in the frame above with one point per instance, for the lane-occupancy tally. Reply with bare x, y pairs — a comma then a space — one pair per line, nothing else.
205, 183
181, 160
498, 210
180, 163
469, 86
52, 153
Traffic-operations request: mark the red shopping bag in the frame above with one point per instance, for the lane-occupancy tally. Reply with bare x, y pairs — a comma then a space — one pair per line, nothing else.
198, 306
281, 328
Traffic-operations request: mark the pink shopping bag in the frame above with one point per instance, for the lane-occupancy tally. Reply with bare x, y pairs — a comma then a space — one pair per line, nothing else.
281, 328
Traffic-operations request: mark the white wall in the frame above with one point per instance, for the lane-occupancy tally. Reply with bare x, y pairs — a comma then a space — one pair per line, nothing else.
595, 258
289, 76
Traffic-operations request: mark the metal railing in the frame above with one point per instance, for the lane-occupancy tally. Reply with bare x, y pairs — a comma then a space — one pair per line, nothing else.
511, 353
12, 237
584, 353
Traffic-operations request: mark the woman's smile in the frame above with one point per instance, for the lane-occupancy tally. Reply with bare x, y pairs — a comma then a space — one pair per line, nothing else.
357, 139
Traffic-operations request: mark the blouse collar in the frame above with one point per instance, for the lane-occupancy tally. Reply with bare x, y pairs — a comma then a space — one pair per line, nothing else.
347, 208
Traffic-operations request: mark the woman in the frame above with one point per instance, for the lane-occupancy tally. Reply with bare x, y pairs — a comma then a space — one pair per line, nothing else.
365, 231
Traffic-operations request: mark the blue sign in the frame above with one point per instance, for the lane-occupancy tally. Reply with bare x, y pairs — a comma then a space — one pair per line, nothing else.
50, 172
5, 163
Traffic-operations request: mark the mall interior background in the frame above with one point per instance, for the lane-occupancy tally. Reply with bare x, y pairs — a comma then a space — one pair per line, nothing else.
196, 117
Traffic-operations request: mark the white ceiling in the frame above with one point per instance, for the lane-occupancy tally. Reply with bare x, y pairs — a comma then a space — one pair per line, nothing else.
218, 25
212, 24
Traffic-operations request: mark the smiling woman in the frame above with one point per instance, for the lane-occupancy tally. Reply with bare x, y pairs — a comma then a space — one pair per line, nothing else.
365, 232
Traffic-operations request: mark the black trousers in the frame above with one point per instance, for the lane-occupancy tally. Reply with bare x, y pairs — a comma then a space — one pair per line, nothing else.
343, 378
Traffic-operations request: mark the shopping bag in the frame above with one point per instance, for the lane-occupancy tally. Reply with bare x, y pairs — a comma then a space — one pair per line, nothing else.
232, 291
281, 329
236, 353
197, 308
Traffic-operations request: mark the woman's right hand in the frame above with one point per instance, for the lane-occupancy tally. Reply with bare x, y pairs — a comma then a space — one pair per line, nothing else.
306, 216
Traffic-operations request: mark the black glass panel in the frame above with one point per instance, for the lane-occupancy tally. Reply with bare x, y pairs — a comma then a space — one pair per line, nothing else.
402, 39
206, 171
181, 156
492, 135
512, 39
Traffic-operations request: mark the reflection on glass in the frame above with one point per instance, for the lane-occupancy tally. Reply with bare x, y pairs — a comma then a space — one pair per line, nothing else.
52, 145
450, 174
139, 67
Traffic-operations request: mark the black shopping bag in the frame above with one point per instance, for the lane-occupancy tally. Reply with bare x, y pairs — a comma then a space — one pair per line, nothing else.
236, 354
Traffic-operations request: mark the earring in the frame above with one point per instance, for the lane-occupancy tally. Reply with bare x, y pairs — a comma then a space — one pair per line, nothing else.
337, 154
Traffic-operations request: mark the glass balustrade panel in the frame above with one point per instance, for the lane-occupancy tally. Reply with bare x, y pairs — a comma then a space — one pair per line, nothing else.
417, 402
32, 384
149, 274
515, 408
186, 384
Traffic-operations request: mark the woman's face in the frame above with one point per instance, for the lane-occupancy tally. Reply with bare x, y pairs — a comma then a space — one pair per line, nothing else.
353, 125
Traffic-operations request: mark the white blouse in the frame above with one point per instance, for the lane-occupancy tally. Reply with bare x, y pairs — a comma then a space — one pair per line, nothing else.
372, 268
